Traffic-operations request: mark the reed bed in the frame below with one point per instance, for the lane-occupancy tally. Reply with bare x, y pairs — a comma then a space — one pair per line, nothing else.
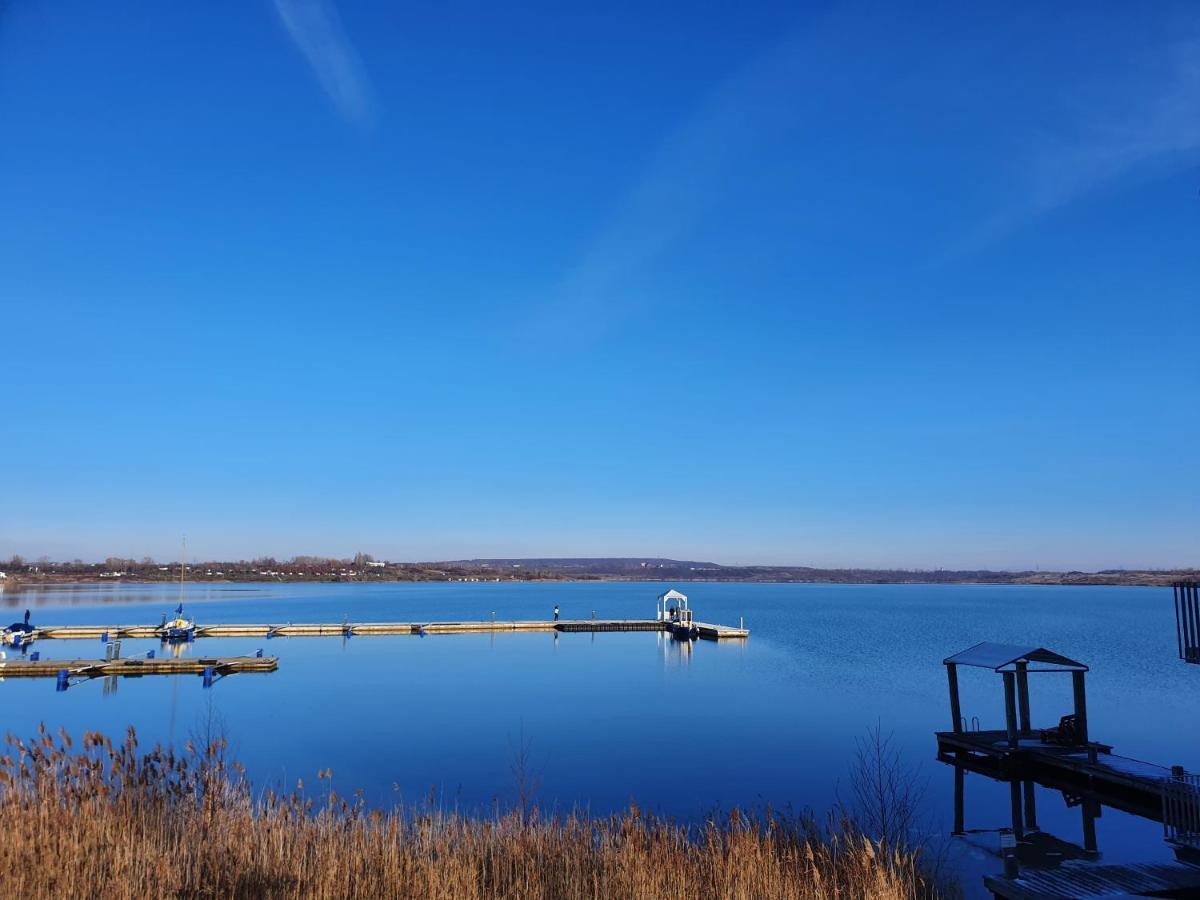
106, 819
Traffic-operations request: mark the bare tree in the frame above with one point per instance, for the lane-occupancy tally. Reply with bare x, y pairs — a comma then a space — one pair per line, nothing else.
527, 780
885, 793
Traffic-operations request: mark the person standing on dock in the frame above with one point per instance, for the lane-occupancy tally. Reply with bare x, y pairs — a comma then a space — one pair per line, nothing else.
556, 612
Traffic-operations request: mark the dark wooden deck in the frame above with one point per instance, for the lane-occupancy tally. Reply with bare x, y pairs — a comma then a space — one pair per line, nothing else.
1097, 772
1077, 879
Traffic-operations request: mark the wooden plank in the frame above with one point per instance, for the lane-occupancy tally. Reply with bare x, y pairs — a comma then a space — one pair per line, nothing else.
1079, 879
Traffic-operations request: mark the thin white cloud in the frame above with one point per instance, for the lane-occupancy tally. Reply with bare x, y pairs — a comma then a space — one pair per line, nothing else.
1159, 124
1147, 126
316, 29
1105, 122
698, 164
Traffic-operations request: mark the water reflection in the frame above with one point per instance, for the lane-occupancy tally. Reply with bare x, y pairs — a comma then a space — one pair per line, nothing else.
676, 652
60, 595
1023, 844
1033, 847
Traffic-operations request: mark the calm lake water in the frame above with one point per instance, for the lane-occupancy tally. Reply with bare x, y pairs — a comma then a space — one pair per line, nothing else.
683, 729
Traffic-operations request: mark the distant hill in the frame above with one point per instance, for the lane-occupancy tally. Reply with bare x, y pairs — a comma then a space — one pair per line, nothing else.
646, 568
542, 568
610, 565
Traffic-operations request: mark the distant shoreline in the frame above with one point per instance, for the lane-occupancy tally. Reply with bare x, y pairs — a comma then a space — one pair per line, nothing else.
1068, 580
365, 569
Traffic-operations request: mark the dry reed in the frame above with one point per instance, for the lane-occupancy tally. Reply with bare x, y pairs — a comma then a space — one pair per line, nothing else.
105, 819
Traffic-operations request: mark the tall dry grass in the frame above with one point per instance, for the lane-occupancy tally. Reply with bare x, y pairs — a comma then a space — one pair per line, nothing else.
109, 820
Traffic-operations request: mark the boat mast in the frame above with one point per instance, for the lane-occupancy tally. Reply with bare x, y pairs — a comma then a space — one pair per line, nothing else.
182, 566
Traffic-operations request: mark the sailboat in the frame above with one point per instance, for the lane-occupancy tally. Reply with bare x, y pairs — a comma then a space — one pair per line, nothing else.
179, 630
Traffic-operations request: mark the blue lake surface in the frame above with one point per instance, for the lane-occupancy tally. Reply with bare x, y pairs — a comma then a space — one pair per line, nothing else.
681, 728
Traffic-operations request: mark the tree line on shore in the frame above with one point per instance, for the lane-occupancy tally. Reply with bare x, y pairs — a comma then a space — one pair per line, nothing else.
365, 567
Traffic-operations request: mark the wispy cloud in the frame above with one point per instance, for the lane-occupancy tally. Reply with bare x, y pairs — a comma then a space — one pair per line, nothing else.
696, 166
316, 29
1039, 141
1160, 123
1148, 125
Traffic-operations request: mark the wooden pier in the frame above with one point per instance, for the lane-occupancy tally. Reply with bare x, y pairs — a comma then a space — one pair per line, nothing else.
1062, 754
1121, 781
135, 666
1064, 758
364, 629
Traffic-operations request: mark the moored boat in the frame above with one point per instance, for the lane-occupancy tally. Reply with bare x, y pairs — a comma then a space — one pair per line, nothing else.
18, 634
178, 630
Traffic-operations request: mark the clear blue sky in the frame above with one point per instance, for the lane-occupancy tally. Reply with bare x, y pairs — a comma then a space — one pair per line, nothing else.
749, 282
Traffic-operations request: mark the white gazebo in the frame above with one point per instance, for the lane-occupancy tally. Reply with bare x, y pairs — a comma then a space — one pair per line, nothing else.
672, 606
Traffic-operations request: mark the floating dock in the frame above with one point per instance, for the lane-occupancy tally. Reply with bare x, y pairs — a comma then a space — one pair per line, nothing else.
363, 629
135, 667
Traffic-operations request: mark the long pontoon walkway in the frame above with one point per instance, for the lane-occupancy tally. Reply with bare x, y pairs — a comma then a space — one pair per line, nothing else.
347, 629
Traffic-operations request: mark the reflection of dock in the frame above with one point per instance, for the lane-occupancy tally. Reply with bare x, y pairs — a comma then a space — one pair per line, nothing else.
1042, 866
364, 629
103, 668
1087, 773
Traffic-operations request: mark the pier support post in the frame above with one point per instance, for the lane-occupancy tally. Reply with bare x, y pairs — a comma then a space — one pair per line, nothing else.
959, 800
1023, 696
1089, 808
1014, 796
1030, 807
1008, 850
1010, 708
955, 710
1081, 723
1176, 590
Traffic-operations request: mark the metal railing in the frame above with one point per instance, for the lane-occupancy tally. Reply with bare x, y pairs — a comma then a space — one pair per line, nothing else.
1181, 808
1187, 619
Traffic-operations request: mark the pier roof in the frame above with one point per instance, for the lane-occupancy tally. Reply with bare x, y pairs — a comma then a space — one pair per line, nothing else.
1004, 658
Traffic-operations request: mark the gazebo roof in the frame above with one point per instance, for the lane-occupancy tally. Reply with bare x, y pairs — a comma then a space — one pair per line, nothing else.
1004, 658
672, 594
